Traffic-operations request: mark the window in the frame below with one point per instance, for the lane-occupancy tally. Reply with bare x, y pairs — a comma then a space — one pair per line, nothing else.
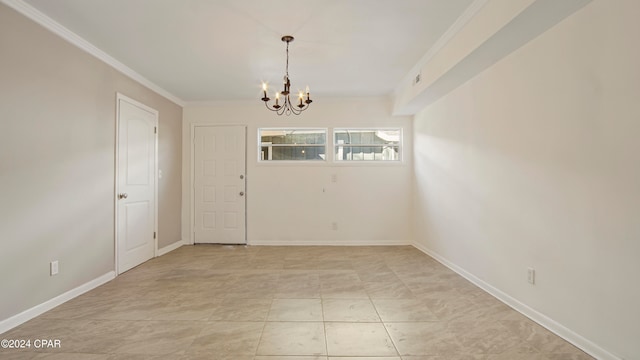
292, 144
367, 144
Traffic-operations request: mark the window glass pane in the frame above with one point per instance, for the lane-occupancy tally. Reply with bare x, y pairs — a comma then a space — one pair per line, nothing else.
367, 144
293, 144
293, 136
298, 153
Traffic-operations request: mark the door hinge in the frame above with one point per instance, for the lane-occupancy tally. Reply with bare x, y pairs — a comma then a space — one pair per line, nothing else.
155, 129
154, 234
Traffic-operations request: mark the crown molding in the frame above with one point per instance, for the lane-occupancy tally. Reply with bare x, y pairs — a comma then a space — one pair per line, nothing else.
73, 38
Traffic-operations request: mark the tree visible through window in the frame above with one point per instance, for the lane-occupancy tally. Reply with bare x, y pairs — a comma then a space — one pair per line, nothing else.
367, 144
293, 144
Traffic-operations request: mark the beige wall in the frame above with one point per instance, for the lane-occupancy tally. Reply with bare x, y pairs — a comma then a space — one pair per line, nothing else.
286, 203
536, 163
57, 144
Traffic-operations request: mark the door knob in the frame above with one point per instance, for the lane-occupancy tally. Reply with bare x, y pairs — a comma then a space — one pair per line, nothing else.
241, 193
122, 196
241, 177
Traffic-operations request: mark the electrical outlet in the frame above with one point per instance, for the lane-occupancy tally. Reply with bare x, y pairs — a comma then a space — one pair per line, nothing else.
334, 178
531, 276
334, 226
54, 267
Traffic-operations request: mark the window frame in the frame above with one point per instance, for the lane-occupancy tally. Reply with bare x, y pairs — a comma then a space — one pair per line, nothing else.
326, 131
334, 146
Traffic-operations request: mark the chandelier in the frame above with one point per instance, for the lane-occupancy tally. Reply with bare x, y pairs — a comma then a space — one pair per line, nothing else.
287, 107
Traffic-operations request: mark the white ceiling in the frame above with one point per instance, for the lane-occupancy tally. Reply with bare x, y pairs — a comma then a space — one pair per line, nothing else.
203, 50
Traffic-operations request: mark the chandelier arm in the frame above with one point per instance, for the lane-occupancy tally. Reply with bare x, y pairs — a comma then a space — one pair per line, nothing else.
266, 104
283, 109
293, 108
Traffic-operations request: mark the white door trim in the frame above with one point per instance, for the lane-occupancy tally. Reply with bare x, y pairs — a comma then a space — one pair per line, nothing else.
120, 97
192, 178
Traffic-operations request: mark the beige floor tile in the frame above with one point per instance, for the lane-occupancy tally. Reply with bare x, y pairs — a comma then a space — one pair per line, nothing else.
423, 338
82, 307
241, 310
329, 264
292, 285
299, 264
543, 340
467, 357
388, 290
568, 356
349, 310
339, 277
101, 336
187, 308
342, 286
429, 289
292, 338
141, 309
298, 278
250, 294
403, 310
6, 354
212, 302
301, 293
290, 358
161, 337
227, 338
519, 352
446, 308
484, 336
174, 356
381, 273
69, 356
213, 356
358, 339
35, 328
295, 310
364, 358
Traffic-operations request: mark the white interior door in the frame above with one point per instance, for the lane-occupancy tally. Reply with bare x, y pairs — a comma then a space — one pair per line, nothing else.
219, 184
136, 184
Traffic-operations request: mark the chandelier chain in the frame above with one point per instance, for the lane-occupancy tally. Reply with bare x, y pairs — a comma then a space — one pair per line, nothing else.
287, 69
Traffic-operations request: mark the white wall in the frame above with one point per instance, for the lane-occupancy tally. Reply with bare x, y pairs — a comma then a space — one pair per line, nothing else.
536, 162
285, 202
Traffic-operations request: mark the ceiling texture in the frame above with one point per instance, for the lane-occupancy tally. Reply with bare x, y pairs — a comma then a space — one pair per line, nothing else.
209, 50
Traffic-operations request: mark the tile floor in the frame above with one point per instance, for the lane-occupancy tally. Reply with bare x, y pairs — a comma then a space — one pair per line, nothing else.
289, 303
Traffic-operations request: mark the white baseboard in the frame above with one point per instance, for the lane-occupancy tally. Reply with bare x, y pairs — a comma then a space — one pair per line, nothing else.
574, 338
10, 323
169, 248
329, 242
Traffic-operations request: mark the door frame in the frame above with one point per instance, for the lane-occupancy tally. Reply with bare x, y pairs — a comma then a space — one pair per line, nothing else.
192, 175
122, 97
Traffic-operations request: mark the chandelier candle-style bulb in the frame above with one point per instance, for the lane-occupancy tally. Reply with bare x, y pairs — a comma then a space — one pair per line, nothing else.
287, 106
264, 91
